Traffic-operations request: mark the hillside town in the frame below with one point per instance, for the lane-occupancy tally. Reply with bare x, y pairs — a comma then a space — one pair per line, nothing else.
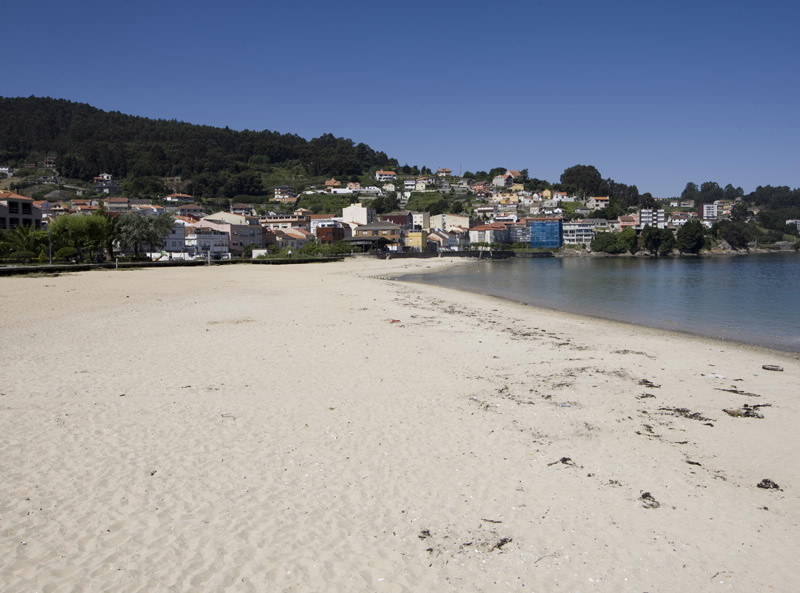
503, 212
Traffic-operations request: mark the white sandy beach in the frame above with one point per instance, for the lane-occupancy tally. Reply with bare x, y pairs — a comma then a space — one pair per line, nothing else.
317, 428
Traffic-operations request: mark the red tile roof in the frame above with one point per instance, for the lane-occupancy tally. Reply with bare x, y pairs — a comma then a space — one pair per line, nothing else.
493, 226
10, 195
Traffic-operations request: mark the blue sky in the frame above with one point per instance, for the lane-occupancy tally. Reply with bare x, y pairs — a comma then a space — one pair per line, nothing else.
652, 93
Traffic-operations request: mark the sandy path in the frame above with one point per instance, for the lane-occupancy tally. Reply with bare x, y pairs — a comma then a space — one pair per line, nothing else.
259, 428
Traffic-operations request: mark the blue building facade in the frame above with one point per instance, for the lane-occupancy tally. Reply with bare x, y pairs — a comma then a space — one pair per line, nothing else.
519, 233
547, 233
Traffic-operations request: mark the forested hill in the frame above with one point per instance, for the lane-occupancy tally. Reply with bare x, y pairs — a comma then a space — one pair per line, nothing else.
87, 141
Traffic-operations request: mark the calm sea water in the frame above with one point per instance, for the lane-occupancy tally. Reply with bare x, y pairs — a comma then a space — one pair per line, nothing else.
753, 299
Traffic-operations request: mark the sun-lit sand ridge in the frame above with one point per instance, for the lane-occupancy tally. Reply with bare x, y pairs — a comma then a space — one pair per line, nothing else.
315, 428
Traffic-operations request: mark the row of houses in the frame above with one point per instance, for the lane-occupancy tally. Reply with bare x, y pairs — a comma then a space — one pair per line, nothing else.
197, 233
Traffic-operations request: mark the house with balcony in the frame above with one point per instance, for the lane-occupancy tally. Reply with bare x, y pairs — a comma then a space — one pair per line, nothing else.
384, 176
583, 231
284, 221
678, 219
598, 202
710, 213
203, 241
652, 217
489, 233
243, 231
18, 210
387, 230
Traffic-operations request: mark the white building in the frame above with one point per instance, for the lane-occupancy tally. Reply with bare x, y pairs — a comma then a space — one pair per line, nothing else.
503, 180
678, 219
653, 218
597, 202
421, 220
203, 241
710, 212
582, 231
358, 214
489, 233
449, 222
332, 222
385, 175
175, 242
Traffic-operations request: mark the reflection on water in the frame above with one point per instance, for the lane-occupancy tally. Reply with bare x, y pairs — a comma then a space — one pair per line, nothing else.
752, 299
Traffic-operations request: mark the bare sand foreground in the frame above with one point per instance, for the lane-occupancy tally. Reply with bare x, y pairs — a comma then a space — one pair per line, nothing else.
314, 428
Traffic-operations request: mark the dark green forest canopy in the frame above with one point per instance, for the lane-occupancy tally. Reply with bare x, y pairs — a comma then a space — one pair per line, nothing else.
87, 141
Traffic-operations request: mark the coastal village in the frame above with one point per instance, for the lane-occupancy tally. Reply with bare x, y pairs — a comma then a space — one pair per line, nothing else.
503, 213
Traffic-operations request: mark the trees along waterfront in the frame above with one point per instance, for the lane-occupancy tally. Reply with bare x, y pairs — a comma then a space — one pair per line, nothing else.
690, 238
87, 238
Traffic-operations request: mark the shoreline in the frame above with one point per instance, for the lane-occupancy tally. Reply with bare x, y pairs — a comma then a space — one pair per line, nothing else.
574, 252
300, 428
791, 354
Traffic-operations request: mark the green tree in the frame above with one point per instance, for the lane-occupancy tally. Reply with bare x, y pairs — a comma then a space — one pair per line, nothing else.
731, 193
690, 238
584, 179
138, 232
86, 234
667, 242
606, 243
647, 200
651, 239
710, 191
628, 240
739, 212
734, 233
144, 187
25, 238
690, 192
65, 254
385, 204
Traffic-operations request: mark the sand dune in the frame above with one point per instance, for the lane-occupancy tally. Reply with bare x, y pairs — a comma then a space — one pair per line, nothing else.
319, 428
